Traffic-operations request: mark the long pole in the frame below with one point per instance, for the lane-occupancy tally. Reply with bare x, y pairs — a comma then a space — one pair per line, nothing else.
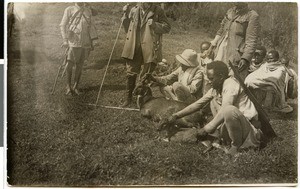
112, 107
108, 63
57, 75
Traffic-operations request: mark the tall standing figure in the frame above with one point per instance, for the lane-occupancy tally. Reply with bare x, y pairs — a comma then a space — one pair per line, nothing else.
237, 37
144, 24
76, 30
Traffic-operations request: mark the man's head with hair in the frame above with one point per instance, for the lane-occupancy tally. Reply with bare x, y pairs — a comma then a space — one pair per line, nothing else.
259, 55
285, 61
217, 72
204, 46
219, 67
272, 56
80, 4
241, 6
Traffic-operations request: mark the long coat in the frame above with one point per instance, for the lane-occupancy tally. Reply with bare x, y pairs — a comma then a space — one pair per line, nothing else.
242, 32
139, 33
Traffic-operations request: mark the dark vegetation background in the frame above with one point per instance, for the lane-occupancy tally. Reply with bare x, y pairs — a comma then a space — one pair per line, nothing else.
54, 140
278, 21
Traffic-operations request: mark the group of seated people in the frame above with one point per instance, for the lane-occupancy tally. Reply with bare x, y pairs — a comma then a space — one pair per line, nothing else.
272, 81
199, 80
270, 78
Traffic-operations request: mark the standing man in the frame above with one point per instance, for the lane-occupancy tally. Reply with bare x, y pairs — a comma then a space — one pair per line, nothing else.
144, 24
237, 37
76, 32
235, 119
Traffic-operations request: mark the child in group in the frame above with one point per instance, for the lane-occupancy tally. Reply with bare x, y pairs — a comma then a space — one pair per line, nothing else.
205, 57
268, 82
257, 59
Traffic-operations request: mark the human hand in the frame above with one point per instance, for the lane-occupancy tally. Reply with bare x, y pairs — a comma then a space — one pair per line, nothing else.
124, 17
202, 133
151, 77
206, 53
95, 43
125, 12
126, 8
65, 44
172, 119
151, 23
243, 64
215, 40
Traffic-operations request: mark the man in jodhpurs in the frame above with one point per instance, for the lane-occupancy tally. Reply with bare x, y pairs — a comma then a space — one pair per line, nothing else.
144, 24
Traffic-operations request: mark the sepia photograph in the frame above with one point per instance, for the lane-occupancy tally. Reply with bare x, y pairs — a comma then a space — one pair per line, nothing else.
112, 94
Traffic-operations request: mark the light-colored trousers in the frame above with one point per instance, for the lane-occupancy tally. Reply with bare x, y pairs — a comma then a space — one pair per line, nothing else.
235, 129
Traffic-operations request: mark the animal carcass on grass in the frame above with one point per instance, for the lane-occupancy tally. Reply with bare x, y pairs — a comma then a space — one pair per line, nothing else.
159, 108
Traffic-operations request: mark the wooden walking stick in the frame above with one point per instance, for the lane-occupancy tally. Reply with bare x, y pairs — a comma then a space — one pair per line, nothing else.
58, 71
106, 69
263, 117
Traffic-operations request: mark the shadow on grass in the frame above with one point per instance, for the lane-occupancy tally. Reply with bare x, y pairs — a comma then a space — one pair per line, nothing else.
101, 64
104, 88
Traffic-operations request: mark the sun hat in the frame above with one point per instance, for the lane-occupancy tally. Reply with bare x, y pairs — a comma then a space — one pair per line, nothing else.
188, 57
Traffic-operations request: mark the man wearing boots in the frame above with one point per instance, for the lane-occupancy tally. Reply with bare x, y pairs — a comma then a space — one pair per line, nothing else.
144, 24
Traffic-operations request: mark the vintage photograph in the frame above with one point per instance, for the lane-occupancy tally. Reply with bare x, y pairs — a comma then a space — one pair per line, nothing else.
107, 94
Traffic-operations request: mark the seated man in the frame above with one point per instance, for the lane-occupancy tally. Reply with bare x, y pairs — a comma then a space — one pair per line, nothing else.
184, 84
291, 82
268, 83
235, 114
205, 57
257, 59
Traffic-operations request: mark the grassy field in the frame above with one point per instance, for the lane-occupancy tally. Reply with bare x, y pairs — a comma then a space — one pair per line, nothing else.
54, 140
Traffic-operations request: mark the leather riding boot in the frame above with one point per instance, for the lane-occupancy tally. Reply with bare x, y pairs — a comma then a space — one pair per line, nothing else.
129, 89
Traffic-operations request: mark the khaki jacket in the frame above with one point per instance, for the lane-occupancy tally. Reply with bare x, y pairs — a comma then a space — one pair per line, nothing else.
140, 34
192, 78
79, 21
242, 31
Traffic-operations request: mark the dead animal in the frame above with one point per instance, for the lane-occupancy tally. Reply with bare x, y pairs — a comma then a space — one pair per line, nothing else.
159, 108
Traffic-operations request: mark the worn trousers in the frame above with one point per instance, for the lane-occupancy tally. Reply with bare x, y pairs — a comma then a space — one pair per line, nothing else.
177, 91
136, 66
234, 128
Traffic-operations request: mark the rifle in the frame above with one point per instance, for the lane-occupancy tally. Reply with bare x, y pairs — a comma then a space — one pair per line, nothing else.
263, 117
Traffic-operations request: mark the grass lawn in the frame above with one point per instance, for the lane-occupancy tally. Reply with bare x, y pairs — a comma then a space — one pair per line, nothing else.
54, 140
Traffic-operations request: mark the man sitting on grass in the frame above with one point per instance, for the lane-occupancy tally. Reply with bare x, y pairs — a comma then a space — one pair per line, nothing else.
184, 84
235, 120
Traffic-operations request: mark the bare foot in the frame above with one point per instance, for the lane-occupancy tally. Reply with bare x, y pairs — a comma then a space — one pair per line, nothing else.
77, 92
233, 151
69, 92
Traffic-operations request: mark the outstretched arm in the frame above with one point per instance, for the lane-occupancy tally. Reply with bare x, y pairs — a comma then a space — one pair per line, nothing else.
195, 106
